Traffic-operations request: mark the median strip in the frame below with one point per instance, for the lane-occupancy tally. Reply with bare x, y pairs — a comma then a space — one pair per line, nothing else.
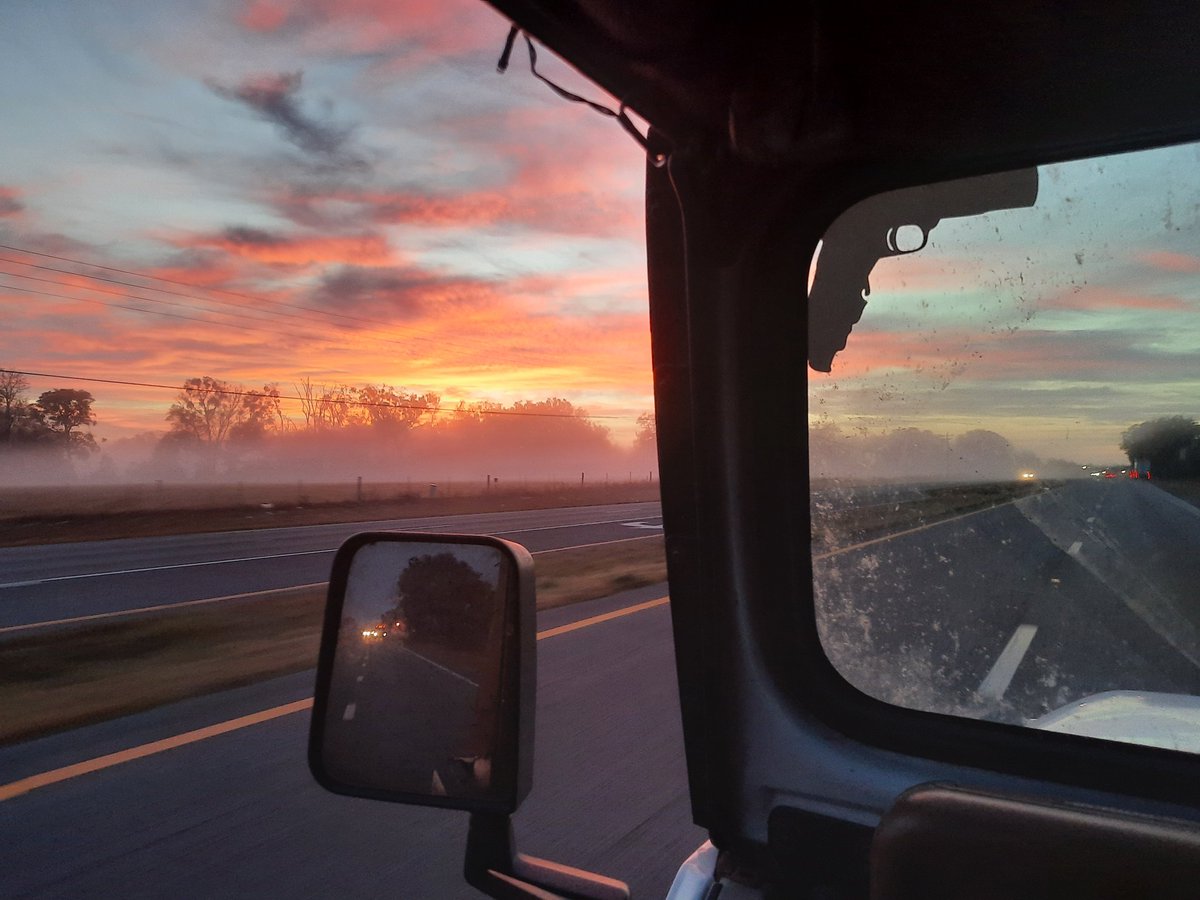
65, 773
100, 667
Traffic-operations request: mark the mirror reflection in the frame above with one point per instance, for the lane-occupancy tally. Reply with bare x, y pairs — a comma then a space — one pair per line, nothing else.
417, 675
1004, 448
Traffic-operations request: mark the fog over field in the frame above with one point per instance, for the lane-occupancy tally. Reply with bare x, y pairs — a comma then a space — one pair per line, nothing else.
420, 458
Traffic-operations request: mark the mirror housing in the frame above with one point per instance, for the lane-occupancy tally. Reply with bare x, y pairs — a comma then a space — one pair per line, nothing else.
427, 672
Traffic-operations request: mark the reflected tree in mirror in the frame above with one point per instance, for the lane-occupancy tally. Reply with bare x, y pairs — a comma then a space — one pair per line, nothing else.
1004, 453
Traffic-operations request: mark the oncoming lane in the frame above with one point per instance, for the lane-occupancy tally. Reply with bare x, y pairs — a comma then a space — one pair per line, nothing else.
52, 582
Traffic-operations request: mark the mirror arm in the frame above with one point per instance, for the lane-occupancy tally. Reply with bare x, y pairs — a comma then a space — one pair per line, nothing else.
494, 867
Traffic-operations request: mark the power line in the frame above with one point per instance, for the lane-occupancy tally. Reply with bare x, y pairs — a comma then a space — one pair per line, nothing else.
407, 333
273, 332
329, 400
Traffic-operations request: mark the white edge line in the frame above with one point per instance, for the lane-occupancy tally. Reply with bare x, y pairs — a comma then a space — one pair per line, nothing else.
182, 604
189, 565
641, 537
440, 667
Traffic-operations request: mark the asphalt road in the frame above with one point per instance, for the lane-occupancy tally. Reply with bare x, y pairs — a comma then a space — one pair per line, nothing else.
1012, 612
1005, 613
55, 581
238, 815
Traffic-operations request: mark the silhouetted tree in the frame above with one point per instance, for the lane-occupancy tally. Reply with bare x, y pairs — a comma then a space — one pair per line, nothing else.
1170, 444
213, 411
65, 410
647, 430
387, 409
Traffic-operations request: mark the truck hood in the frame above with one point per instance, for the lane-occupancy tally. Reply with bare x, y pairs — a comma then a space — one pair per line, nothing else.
1170, 721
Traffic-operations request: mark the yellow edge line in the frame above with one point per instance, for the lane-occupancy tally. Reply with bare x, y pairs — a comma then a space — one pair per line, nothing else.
33, 782
596, 620
15, 788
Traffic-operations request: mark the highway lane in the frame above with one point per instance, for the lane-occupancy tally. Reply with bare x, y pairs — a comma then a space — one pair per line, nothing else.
238, 815
1013, 612
54, 581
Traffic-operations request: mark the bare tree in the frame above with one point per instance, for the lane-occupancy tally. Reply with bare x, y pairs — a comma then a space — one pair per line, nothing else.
13, 386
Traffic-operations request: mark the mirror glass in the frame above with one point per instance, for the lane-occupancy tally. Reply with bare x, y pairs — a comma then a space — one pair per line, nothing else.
1004, 448
415, 687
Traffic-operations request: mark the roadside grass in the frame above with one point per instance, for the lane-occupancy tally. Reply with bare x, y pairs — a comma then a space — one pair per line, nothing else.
1186, 489
64, 677
42, 515
835, 526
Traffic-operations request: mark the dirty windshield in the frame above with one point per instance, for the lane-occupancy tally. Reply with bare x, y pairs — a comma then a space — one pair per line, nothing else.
1004, 448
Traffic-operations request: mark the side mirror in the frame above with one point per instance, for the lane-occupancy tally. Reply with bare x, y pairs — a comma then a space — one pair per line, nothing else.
425, 693
426, 676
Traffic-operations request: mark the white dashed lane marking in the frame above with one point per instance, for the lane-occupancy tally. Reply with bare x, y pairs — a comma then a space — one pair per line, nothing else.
1001, 675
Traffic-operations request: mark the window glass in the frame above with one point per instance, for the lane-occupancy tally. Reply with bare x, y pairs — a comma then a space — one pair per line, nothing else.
1004, 451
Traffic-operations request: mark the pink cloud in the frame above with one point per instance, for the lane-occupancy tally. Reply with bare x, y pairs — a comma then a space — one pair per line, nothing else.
10, 203
1171, 262
1096, 297
374, 26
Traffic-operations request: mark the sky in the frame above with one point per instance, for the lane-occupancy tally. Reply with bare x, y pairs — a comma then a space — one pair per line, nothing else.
1058, 326
346, 192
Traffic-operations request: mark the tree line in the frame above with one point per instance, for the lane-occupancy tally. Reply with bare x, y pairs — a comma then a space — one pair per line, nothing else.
217, 427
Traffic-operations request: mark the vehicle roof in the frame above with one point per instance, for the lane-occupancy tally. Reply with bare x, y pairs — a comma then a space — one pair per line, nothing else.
858, 81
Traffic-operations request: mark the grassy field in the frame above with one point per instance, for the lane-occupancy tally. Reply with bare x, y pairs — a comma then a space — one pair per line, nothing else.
78, 513
62, 678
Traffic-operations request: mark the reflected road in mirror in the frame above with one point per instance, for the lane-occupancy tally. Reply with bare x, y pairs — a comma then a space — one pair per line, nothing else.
416, 675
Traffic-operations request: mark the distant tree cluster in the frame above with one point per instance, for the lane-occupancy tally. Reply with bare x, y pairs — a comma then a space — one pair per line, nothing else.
378, 406
222, 428
916, 453
1169, 445
59, 420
